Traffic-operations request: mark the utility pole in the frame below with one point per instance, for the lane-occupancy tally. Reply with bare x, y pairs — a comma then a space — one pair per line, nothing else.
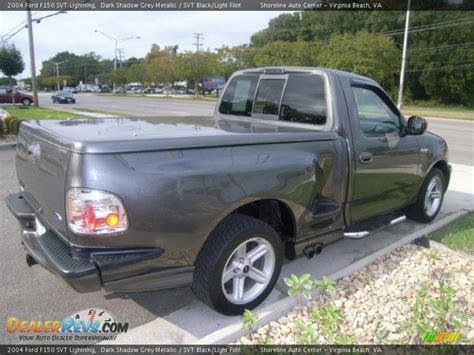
120, 55
85, 74
404, 58
198, 37
57, 70
32, 56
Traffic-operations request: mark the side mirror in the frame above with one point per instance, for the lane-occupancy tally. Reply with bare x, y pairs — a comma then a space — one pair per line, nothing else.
416, 125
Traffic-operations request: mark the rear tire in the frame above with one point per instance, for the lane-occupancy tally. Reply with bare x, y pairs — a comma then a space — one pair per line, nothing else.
430, 198
238, 265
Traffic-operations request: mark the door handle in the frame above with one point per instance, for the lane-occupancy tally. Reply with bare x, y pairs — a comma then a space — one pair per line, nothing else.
366, 157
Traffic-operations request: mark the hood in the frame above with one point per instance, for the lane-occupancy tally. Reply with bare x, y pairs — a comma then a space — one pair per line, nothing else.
112, 135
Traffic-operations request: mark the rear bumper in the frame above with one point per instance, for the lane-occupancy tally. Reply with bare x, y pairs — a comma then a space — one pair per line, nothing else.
51, 252
113, 269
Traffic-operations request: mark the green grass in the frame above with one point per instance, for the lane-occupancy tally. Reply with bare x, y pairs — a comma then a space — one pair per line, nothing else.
458, 235
456, 112
38, 113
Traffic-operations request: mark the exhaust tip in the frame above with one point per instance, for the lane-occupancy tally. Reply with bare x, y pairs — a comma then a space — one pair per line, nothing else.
30, 261
312, 250
318, 248
308, 251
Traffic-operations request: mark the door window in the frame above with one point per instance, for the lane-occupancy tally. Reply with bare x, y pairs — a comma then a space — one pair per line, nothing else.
3, 91
268, 97
304, 100
375, 116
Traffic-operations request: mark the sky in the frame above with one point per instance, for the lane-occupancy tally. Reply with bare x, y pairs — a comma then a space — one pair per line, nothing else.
74, 31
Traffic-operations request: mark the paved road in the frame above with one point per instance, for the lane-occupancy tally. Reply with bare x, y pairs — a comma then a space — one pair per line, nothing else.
34, 293
459, 134
460, 137
136, 106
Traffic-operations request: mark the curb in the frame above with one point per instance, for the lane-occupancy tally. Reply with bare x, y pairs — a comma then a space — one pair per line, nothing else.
278, 309
7, 146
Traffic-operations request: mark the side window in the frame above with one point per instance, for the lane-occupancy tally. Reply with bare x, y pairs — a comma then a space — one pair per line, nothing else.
304, 100
268, 97
238, 97
375, 116
3, 91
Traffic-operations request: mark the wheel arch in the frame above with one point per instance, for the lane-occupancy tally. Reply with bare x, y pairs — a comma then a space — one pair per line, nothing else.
277, 213
445, 169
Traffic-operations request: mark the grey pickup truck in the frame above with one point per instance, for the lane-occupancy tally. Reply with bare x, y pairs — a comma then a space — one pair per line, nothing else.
295, 158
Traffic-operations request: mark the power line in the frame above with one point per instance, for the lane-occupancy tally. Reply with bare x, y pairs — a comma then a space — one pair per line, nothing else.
445, 47
429, 27
454, 67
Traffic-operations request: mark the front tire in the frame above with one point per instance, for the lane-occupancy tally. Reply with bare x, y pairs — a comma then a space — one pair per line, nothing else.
430, 198
238, 265
26, 102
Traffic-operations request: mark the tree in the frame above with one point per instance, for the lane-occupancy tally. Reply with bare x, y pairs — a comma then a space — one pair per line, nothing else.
439, 66
194, 66
51, 82
11, 64
85, 67
119, 76
6, 81
297, 53
160, 64
231, 59
362, 53
285, 27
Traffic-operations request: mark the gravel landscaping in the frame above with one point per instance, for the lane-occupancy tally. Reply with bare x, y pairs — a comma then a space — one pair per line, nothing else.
381, 303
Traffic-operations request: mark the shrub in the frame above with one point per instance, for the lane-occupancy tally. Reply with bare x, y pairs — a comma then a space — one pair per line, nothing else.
2, 127
10, 123
13, 124
6, 123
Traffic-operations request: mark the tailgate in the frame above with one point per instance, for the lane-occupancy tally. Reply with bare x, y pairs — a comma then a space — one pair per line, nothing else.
41, 169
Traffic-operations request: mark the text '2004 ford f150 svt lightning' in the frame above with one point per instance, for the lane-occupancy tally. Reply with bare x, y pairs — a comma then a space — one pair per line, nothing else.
295, 158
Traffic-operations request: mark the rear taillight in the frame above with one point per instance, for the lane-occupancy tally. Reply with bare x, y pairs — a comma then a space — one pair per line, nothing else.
95, 212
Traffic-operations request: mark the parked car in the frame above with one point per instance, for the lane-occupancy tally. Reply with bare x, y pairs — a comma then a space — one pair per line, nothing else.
6, 96
70, 89
64, 97
295, 158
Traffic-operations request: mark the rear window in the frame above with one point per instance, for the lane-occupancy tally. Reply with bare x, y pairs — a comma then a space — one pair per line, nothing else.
268, 97
238, 97
304, 100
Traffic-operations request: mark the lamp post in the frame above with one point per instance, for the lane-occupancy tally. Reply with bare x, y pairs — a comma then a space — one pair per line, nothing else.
57, 64
116, 41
